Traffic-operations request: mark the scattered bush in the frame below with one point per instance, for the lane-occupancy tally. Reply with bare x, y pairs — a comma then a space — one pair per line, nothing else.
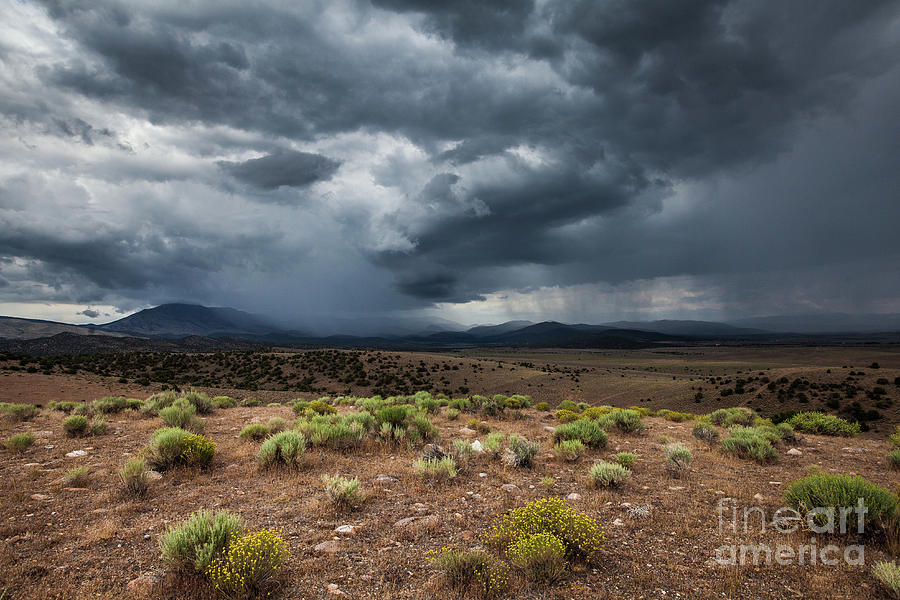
567, 416
426, 403
181, 413
822, 424
250, 565
276, 424
135, 477
888, 575
678, 459
493, 443
625, 420
751, 443
583, 429
200, 401
676, 417
110, 405
824, 490
321, 407
18, 412
159, 401
285, 448
520, 452
19, 442
541, 557
463, 569
224, 402
195, 543
77, 477
436, 469
705, 432
569, 450
462, 452
895, 437
606, 474
579, 533
173, 446
568, 405
738, 415
343, 492
894, 458
98, 425
251, 402
542, 406
76, 425
452, 414
254, 431
65, 406
626, 459
783, 415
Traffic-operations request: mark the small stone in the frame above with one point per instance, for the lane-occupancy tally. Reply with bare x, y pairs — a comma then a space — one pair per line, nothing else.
482, 475
511, 488
549, 429
43, 433
76, 453
574, 497
467, 535
795, 452
476, 446
232, 467
774, 483
625, 505
31, 465
154, 476
759, 497
619, 523
327, 547
144, 585
676, 488
402, 523
345, 529
381, 478
40, 497
334, 590
468, 432
419, 507
146, 536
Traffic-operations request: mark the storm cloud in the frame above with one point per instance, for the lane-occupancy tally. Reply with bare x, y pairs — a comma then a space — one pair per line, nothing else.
359, 157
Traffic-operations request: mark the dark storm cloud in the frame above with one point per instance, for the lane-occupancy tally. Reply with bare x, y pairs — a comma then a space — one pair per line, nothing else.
517, 144
287, 168
90, 313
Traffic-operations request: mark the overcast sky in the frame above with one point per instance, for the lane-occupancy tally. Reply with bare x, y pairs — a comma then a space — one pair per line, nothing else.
477, 161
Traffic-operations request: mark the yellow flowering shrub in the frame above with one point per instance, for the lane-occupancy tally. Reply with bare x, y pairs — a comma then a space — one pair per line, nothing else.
542, 557
566, 416
463, 568
196, 450
249, 565
580, 534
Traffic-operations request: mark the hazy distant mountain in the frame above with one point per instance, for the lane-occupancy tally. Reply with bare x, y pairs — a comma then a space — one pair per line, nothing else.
691, 328
488, 330
14, 328
181, 320
824, 323
561, 335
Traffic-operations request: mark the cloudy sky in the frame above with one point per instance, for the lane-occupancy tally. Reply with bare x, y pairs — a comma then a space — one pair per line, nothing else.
477, 161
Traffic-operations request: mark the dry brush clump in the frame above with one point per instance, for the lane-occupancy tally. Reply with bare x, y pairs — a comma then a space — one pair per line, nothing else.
344, 493
20, 442
135, 477
172, 446
678, 459
607, 474
284, 449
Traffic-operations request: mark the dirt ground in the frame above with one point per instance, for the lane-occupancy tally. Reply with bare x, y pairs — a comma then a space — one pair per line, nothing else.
59, 542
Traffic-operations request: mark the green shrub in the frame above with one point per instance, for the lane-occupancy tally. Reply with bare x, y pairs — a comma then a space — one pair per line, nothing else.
173, 446
199, 401
676, 417
460, 404
251, 402
626, 421
181, 413
427, 404
18, 412
678, 459
98, 425
579, 533
750, 443
77, 477
338, 435
299, 406
422, 430
460, 568
569, 450
894, 458
135, 477
541, 557
434, 469
254, 431
493, 406
394, 415
462, 452
224, 402
520, 452
895, 437
738, 415
606, 474
595, 412
285, 448
249, 566
705, 432
76, 425
195, 543
277, 424
343, 492
452, 414
888, 575
159, 401
568, 405
19, 442
626, 459
493, 443
783, 415
110, 405
542, 406
66, 406
583, 429
822, 424
822, 490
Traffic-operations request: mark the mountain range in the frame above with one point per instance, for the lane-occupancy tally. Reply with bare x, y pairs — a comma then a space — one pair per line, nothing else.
189, 321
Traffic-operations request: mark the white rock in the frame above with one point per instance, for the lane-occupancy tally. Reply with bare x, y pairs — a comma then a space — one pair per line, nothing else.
327, 547
476, 446
482, 475
573, 497
511, 488
618, 523
759, 497
345, 529
795, 452
676, 488
76, 453
467, 431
